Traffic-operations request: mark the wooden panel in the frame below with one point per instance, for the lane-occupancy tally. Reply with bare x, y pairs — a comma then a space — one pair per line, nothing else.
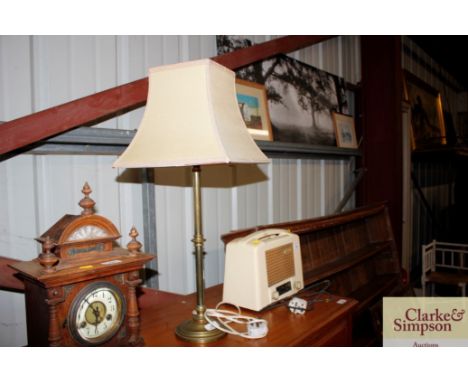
329, 248
382, 126
378, 228
354, 236
333, 335
310, 251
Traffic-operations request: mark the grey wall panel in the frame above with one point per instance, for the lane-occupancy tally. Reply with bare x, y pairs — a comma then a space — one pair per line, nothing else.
284, 190
15, 77
311, 192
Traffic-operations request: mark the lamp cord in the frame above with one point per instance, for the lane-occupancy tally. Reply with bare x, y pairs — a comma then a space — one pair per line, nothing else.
223, 320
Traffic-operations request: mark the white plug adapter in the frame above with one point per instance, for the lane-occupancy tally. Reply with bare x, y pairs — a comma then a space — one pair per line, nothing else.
257, 329
297, 305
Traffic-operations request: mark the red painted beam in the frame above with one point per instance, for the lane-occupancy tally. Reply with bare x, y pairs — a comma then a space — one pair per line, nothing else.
287, 44
38, 126
58, 119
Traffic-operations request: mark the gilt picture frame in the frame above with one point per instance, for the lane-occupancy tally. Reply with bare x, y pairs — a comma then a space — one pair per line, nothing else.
252, 100
344, 130
427, 117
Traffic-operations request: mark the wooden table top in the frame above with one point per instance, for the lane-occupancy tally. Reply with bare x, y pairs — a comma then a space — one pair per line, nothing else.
161, 312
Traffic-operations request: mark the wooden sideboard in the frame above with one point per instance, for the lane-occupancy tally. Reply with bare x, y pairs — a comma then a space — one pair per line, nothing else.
356, 252
327, 324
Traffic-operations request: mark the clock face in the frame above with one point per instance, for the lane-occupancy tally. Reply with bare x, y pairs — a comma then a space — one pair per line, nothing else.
88, 232
97, 313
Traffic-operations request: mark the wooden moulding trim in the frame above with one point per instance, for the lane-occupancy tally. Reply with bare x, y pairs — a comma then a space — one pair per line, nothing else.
347, 261
38, 126
309, 225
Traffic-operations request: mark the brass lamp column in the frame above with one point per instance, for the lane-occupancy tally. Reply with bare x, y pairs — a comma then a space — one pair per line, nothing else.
192, 118
194, 330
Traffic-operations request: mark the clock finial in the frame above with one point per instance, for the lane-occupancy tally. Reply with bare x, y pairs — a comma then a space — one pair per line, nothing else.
87, 203
47, 258
134, 245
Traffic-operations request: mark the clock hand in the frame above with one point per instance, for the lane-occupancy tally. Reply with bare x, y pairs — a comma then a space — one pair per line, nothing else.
96, 312
96, 321
89, 304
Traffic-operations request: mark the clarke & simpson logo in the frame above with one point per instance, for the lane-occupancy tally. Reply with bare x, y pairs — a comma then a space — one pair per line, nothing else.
418, 321
425, 321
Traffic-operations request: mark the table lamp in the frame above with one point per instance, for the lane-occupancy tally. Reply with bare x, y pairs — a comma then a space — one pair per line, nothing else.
192, 118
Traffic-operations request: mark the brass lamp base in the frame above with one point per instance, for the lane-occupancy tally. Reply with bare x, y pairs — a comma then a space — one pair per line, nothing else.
194, 331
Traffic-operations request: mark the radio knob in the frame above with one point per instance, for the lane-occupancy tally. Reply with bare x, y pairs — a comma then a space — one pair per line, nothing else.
275, 295
297, 285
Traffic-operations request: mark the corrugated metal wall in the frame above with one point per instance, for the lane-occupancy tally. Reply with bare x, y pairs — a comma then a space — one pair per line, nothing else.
37, 72
436, 178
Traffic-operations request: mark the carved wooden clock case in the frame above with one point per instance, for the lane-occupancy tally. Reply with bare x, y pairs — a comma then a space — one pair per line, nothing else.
81, 290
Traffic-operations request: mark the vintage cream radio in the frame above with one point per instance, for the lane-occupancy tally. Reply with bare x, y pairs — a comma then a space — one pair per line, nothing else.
262, 268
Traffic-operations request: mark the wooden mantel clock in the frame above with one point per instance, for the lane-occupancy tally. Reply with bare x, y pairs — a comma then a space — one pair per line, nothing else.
81, 290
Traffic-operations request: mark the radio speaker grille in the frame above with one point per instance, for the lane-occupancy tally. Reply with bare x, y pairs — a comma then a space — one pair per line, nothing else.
280, 263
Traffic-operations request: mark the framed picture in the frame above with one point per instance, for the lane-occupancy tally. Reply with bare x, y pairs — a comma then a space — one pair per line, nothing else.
344, 130
301, 98
427, 117
253, 105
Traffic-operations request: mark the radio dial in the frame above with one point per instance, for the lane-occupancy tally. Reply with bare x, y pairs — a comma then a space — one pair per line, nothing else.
275, 295
297, 285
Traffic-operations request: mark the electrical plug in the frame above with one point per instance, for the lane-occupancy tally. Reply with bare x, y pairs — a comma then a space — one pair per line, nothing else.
257, 329
297, 305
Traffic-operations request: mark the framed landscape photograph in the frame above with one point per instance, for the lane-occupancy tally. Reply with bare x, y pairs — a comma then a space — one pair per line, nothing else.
253, 105
301, 98
345, 131
427, 118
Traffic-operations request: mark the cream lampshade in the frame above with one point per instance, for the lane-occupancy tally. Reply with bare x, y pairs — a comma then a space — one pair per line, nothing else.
192, 118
